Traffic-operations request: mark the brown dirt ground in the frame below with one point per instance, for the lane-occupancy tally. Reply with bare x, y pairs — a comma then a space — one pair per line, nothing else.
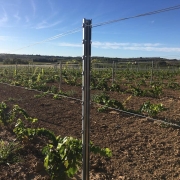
142, 148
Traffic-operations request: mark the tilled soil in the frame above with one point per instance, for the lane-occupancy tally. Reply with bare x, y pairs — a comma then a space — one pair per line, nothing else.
142, 148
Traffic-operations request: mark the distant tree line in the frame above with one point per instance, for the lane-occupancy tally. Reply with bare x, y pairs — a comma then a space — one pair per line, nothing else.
15, 61
25, 59
50, 60
44, 60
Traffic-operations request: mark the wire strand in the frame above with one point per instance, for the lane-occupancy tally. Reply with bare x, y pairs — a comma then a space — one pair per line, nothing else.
99, 24
51, 38
143, 116
139, 15
119, 110
35, 90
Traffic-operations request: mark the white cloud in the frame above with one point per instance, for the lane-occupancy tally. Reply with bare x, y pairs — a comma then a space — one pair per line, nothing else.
152, 22
69, 44
135, 46
156, 47
114, 45
17, 17
45, 24
27, 19
4, 18
33, 7
51, 5
4, 38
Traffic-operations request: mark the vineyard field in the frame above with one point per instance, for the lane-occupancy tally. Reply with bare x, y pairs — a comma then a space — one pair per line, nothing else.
123, 117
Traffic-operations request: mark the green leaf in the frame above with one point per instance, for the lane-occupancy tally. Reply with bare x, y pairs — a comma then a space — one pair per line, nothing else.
46, 162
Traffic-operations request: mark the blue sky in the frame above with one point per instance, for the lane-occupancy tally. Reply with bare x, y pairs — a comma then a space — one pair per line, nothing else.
25, 22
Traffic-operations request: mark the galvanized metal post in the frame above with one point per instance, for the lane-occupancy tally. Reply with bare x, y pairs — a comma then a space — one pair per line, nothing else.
137, 66
16, 69
152, 71
86, 97
113, 73
60, 75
